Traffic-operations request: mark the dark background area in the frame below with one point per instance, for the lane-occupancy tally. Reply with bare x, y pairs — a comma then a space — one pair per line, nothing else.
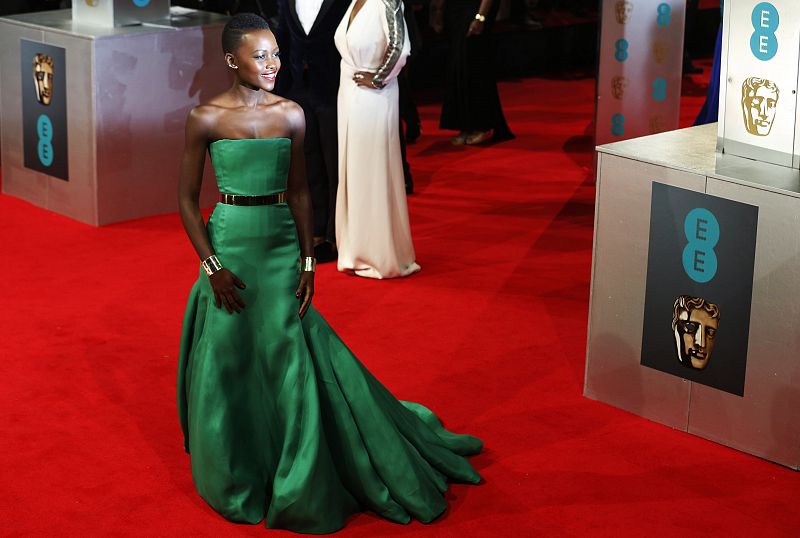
552, 38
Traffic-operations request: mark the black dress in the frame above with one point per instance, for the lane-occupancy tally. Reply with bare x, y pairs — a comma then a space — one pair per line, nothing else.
471, 100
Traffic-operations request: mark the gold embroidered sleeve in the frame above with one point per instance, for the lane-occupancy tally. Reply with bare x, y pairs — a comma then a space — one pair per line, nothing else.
395, 40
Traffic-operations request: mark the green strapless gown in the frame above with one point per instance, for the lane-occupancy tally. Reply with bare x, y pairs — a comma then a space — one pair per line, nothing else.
281, 419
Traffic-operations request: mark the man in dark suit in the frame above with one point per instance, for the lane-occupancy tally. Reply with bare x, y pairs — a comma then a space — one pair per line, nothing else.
310, 77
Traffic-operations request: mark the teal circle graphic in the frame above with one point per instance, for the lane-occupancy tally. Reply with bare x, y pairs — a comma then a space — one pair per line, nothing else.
621, 52
664, 11
617, 124
141, 3
44, 128
763, 41
765, 18
44, 149
659, 89
701, 229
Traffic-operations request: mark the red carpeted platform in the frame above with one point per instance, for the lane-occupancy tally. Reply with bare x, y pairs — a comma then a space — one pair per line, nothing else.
490, 334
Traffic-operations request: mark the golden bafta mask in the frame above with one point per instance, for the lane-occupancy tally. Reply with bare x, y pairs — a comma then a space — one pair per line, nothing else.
659, 51
623, 10
92, 3
759, 102
656, 124
694, 324
618, 85
43, 77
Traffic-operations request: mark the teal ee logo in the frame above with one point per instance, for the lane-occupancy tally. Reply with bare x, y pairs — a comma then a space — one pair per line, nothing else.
763, 42
44, 128
659, 89
617, 124
664, 11
701, 229
141, 3
621, 52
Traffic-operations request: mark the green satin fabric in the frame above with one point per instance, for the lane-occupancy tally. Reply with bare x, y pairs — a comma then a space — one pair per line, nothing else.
282, 421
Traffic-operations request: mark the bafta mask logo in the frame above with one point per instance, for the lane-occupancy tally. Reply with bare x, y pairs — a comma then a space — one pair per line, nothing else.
657, 124
659, 51
618, 86
694, 324
759, 100
623, 10
92, 3
43, 77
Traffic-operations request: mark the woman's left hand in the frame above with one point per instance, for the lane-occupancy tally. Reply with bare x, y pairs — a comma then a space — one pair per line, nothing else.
475, 28
305, 291
364, 78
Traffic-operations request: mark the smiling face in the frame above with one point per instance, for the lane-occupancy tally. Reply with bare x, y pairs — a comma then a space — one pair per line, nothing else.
256, 60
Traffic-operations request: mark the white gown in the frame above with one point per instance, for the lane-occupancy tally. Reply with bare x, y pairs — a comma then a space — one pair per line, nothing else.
372, 231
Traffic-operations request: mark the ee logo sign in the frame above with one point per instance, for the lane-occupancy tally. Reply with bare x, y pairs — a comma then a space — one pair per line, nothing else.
701, 229
621, 50
763, 42
659, 89
44, 128
618, 124
664, 12
141, 3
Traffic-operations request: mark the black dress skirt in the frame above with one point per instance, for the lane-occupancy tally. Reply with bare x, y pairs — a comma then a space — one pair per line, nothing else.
471, 100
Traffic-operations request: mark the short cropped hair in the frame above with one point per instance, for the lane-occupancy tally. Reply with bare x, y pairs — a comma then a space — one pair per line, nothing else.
239, 25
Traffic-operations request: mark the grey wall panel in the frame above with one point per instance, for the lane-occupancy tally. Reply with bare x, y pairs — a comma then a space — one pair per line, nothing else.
17, 180
129, 91
613, 371
146, 85
76, 197
763, 422
98, 13
126, 12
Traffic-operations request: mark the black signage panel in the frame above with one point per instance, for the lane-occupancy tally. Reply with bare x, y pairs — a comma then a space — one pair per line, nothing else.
699, 287
44, 108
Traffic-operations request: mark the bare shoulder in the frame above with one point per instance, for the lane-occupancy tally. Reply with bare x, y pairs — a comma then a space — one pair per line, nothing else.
293, 114
203, 117
290, 108
211, 110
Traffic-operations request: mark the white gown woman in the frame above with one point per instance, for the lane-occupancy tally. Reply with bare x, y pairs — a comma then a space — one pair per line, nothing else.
372, 231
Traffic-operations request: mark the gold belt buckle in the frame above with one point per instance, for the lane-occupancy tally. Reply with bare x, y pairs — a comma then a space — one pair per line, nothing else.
247, 200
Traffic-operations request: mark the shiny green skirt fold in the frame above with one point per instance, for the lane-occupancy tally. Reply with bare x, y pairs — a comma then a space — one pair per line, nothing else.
282, 421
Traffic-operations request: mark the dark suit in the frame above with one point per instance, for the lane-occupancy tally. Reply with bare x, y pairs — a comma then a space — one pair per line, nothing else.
310, 76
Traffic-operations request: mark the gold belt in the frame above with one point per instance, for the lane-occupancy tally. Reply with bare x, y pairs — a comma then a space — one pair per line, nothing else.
243, 199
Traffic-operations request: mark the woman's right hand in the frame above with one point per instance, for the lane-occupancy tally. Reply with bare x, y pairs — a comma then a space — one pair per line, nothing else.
475, 28
224, 284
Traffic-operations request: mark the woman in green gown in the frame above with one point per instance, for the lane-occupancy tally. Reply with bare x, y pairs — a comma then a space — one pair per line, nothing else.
282, 422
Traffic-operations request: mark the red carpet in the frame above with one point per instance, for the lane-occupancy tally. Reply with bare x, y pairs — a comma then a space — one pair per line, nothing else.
491, 334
